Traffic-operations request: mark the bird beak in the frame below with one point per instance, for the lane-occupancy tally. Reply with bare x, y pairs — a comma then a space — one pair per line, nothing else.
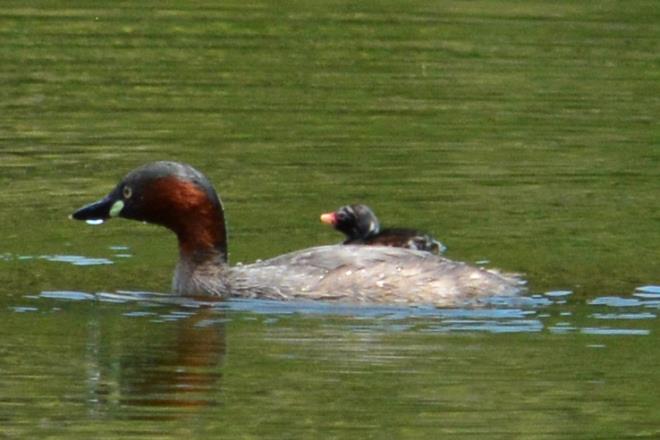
103, 209
329, 218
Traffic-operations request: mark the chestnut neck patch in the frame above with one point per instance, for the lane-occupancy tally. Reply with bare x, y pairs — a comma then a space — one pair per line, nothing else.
189, 210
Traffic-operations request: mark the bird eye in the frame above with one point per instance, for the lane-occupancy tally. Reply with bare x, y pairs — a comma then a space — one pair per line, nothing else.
127, 192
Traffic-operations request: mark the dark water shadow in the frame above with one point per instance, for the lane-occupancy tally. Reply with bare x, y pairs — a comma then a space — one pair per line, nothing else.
162, 371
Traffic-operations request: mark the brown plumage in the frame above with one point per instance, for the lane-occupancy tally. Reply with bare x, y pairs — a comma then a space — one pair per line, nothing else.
180, 198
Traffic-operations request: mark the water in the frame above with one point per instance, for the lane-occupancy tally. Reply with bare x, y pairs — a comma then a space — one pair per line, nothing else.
519, 133
142, 364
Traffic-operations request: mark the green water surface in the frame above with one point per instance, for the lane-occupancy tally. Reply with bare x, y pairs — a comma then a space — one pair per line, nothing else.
524, 133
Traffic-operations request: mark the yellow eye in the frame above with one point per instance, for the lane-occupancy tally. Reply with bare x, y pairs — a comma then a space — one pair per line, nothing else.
127, 192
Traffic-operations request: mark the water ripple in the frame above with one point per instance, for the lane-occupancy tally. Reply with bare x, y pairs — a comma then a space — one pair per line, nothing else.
533, 314
558, 293
70, 295
489, 326
631, 316
615, 331
615, 301
76, 260
655, 290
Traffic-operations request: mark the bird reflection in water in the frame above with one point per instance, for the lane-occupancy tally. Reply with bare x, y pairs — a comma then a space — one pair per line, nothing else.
167, 376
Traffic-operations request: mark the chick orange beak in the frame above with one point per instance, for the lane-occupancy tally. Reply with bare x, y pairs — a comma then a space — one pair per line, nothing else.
329, 218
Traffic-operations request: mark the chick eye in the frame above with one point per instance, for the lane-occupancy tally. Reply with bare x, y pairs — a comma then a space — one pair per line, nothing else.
127, 192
